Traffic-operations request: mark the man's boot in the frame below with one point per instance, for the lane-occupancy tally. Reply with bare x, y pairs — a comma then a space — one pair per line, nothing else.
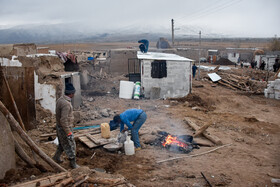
73, 163
57, 155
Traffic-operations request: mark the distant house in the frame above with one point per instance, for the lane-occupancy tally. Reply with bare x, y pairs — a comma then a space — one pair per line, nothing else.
268, 58
234, 57
212, 55
240, 54
167, 74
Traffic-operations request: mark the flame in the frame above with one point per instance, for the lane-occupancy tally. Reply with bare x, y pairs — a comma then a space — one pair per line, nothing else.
170, 140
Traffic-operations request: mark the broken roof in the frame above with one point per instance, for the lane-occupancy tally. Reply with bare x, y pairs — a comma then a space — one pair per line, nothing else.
161, 56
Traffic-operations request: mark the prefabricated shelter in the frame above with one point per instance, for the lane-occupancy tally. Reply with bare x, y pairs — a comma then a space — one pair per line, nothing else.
169, 75
212, 55
233, 57
268, 58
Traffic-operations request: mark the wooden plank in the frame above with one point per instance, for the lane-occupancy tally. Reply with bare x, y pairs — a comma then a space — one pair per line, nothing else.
90, 137
23, 93
202, 129
43, 181
90, 140
206, 134
76, 134
87, 141
225, 84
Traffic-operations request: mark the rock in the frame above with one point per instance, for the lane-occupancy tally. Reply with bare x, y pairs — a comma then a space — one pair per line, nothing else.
104, 113
148, 138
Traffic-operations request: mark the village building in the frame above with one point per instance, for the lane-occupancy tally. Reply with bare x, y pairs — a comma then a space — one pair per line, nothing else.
168, 75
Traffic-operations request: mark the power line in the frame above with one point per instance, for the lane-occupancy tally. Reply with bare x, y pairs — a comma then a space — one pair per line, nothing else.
212, 11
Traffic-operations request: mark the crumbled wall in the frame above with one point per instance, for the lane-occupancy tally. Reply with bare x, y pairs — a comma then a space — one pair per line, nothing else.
24, 49
119, 61
6, 49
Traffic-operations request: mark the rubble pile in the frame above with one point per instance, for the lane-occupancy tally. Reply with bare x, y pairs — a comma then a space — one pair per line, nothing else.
243, 83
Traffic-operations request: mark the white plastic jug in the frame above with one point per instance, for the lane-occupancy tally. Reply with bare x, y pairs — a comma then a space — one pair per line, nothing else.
129, 146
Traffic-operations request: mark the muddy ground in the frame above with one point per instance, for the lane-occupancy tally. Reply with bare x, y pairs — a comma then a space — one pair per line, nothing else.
250, 123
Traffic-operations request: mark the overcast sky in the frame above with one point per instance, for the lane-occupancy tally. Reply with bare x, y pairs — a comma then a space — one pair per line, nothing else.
232, 18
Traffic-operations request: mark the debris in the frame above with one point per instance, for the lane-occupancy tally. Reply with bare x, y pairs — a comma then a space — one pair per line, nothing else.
202, 129
214, 77
207, 135
275, 181
45, 181
16, 127
206, 179
96, 140
92, 155
175, 158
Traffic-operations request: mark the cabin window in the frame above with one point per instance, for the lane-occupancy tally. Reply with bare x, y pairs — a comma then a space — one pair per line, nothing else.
159, 69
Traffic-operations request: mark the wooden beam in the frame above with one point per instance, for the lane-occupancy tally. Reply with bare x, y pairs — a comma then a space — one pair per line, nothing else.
202, 129
13, 101
16, 127
206, 134
44, 182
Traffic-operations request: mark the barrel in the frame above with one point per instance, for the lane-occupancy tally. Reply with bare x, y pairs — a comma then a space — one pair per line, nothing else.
126, 89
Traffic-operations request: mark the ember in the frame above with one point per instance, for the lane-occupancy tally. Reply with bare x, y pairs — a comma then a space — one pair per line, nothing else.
178, 144
170, 140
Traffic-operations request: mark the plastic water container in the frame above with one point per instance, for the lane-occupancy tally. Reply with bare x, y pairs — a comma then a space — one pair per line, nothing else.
265, 93
129, 146
137, 90
105, 130
126, 89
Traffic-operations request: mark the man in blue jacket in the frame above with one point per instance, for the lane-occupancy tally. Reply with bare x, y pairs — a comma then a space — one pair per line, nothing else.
138, 117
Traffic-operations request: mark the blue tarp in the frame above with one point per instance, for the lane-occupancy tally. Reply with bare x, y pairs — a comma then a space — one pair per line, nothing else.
86, 127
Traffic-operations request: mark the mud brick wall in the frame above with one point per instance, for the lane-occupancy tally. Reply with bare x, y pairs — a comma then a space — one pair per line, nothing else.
7, 160
119, 60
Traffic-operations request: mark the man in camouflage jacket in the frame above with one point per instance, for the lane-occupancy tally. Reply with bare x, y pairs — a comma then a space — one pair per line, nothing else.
64, 123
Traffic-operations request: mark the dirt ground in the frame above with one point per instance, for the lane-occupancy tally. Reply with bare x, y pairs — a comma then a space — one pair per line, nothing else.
250, 123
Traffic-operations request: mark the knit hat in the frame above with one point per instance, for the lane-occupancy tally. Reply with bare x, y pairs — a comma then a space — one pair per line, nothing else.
69, 88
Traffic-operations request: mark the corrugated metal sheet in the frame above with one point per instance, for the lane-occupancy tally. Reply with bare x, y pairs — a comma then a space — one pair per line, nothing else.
161, 56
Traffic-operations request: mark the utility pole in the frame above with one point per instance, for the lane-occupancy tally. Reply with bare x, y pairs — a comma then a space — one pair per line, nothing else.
199, 55
172, 29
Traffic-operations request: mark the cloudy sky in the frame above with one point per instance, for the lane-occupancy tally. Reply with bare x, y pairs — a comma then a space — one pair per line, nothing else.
230, 18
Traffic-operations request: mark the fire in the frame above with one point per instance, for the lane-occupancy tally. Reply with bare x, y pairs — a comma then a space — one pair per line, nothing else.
172, 140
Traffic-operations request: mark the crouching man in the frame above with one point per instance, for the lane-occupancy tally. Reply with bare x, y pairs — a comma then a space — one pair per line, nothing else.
64, 123
138, 117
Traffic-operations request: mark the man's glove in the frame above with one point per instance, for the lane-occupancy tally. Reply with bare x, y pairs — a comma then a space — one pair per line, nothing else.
70, 136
